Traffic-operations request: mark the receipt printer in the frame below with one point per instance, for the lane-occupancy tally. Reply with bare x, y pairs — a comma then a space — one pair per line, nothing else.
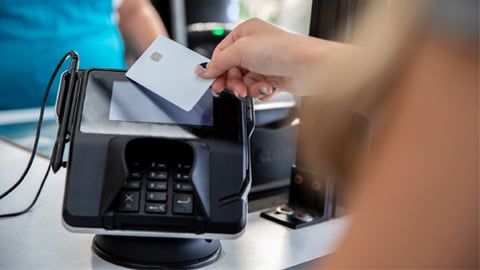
140, 166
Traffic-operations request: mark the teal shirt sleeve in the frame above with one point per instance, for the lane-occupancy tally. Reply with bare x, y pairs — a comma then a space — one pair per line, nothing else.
34, 35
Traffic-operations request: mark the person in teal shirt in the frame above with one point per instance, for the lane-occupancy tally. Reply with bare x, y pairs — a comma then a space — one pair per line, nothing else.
34, 36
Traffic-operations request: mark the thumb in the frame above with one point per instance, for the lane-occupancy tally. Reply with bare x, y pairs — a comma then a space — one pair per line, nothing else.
206, 72
221, 62
210, 70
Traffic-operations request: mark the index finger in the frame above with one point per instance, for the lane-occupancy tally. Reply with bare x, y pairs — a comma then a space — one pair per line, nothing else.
226, 55
222, 61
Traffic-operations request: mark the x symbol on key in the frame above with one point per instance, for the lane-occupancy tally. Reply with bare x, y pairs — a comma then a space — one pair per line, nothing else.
129, 197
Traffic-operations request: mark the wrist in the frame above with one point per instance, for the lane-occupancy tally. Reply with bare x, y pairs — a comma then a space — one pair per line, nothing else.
311, 52
317, 63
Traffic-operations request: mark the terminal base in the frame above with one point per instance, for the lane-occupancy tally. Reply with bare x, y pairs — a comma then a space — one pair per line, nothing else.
156, 253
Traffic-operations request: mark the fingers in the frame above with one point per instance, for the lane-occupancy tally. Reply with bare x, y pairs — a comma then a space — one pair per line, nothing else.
246, 83
219, 84
230, 57
260, 86
234, 82
256, 85
230, 50
229, 69
260, 90
243, 83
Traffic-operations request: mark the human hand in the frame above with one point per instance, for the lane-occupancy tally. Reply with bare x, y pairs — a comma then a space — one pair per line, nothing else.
259, 59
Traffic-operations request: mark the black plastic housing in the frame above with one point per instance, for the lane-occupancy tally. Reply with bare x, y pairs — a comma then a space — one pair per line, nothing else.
97, 168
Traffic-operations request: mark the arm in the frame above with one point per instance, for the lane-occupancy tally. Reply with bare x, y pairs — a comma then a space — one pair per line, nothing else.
140, 24
257, 57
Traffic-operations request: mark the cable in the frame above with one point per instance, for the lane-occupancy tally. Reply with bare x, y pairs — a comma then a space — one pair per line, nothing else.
73, 55
14, 214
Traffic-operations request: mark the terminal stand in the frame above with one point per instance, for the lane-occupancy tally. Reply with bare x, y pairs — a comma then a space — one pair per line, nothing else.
157, 253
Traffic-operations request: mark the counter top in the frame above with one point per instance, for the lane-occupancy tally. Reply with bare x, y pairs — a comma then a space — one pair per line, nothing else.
38, 240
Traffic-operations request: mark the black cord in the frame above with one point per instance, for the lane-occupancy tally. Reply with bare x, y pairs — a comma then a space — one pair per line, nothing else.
14, 214
71, 54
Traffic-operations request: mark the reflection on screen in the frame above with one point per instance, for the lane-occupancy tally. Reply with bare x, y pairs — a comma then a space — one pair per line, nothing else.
131, 102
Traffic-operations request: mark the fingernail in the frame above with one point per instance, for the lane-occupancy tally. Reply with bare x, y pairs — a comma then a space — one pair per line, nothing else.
264, 91
236, 94
199, 70
215, 94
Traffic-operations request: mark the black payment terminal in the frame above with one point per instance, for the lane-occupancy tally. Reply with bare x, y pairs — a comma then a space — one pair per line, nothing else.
140, 166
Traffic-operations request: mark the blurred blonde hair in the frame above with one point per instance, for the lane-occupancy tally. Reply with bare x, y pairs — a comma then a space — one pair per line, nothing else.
411, 91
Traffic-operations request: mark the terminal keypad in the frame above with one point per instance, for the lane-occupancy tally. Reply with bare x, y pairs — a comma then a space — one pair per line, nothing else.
158, 187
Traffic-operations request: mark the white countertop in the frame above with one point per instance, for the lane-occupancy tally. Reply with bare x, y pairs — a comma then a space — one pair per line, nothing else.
38, 240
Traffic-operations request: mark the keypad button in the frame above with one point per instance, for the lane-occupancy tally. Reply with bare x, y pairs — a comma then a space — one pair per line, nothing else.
185, 187
135, 175
156, 196
157, 175
129, 201
135, 185
160, 208
133, 165
182, 203
157, 185
158, 165
183, 166
182, 176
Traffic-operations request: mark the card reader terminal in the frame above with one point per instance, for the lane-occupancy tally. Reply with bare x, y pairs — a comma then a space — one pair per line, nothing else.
139, 166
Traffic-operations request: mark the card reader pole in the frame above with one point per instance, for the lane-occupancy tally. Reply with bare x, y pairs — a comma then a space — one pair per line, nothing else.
58, 148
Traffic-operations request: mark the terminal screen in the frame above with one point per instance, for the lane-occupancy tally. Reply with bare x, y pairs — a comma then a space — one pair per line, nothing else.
133, 103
